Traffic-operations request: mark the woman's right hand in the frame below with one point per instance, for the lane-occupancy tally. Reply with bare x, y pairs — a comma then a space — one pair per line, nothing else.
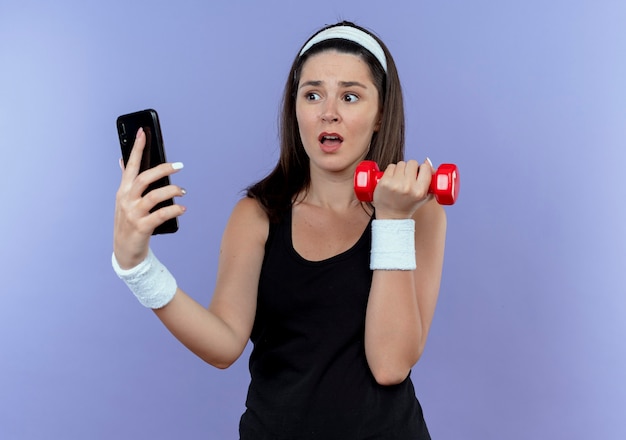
134, 223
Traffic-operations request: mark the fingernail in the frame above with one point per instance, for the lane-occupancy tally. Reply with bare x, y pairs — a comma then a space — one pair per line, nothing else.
183, 191
121, 163
178, 165
139, 132
431, 164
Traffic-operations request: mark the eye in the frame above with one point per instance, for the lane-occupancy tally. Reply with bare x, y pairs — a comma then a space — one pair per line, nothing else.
312, 96
350, 97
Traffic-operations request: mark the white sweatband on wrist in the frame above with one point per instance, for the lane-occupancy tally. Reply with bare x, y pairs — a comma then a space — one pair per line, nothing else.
150, 281
393, 245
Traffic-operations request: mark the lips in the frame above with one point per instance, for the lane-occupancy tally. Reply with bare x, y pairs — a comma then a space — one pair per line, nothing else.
330, 142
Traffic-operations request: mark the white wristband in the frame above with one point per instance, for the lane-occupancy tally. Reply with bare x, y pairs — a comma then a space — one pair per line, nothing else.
393, 245
150, 281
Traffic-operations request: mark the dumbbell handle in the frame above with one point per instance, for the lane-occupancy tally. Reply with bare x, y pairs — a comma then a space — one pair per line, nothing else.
444, 184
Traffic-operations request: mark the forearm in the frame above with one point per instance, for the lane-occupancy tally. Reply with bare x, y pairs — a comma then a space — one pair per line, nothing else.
201, 331
402, 302
394, 333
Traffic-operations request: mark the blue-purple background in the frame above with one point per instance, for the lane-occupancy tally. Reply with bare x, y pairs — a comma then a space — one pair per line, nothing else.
528, 97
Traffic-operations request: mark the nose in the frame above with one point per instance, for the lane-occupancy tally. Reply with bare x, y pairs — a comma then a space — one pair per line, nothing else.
329, 112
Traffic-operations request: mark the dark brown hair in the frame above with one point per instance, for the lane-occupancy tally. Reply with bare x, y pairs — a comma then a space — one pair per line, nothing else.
291, 175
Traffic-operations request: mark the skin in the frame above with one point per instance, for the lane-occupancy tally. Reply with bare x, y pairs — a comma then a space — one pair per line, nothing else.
335, 95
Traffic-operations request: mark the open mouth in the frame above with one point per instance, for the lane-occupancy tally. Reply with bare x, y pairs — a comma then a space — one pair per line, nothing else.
330, 139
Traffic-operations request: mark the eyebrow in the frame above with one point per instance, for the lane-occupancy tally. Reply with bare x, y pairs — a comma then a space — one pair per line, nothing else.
343, 84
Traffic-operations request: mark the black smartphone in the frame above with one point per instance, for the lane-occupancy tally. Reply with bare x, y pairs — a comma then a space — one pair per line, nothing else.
153, 154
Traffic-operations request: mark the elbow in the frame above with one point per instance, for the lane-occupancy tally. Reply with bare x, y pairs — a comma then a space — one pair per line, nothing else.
393, 372
221, 357
389, 377
221, 363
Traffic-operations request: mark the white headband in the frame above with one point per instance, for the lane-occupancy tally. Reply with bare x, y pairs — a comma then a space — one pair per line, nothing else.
351, 34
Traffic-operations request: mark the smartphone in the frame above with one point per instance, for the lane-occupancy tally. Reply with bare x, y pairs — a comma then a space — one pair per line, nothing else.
153, 154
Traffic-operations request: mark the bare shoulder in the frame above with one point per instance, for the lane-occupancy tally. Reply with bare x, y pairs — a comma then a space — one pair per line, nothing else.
239, 268
248, 219
250, 206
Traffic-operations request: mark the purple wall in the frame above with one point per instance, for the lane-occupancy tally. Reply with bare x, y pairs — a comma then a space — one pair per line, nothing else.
527, 97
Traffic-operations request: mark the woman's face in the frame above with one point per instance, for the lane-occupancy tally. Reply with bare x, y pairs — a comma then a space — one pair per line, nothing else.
338, 110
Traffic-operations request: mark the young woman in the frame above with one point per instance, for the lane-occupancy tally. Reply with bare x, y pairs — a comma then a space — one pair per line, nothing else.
336, 295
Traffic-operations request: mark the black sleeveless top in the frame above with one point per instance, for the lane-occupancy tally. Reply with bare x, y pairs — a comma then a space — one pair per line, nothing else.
309, 374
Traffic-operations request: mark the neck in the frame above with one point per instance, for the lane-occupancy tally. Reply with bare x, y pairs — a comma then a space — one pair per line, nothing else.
335, 192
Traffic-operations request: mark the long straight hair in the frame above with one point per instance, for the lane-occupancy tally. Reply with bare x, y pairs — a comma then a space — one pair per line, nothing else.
291, 175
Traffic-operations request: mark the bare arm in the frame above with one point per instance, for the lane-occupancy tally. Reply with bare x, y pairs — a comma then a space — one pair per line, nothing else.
402, 303
218, 335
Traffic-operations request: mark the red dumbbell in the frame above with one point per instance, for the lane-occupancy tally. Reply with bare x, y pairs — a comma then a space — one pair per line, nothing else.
444, 185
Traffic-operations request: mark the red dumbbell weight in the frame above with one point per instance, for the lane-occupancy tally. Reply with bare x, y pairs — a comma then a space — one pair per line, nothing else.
444, 184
